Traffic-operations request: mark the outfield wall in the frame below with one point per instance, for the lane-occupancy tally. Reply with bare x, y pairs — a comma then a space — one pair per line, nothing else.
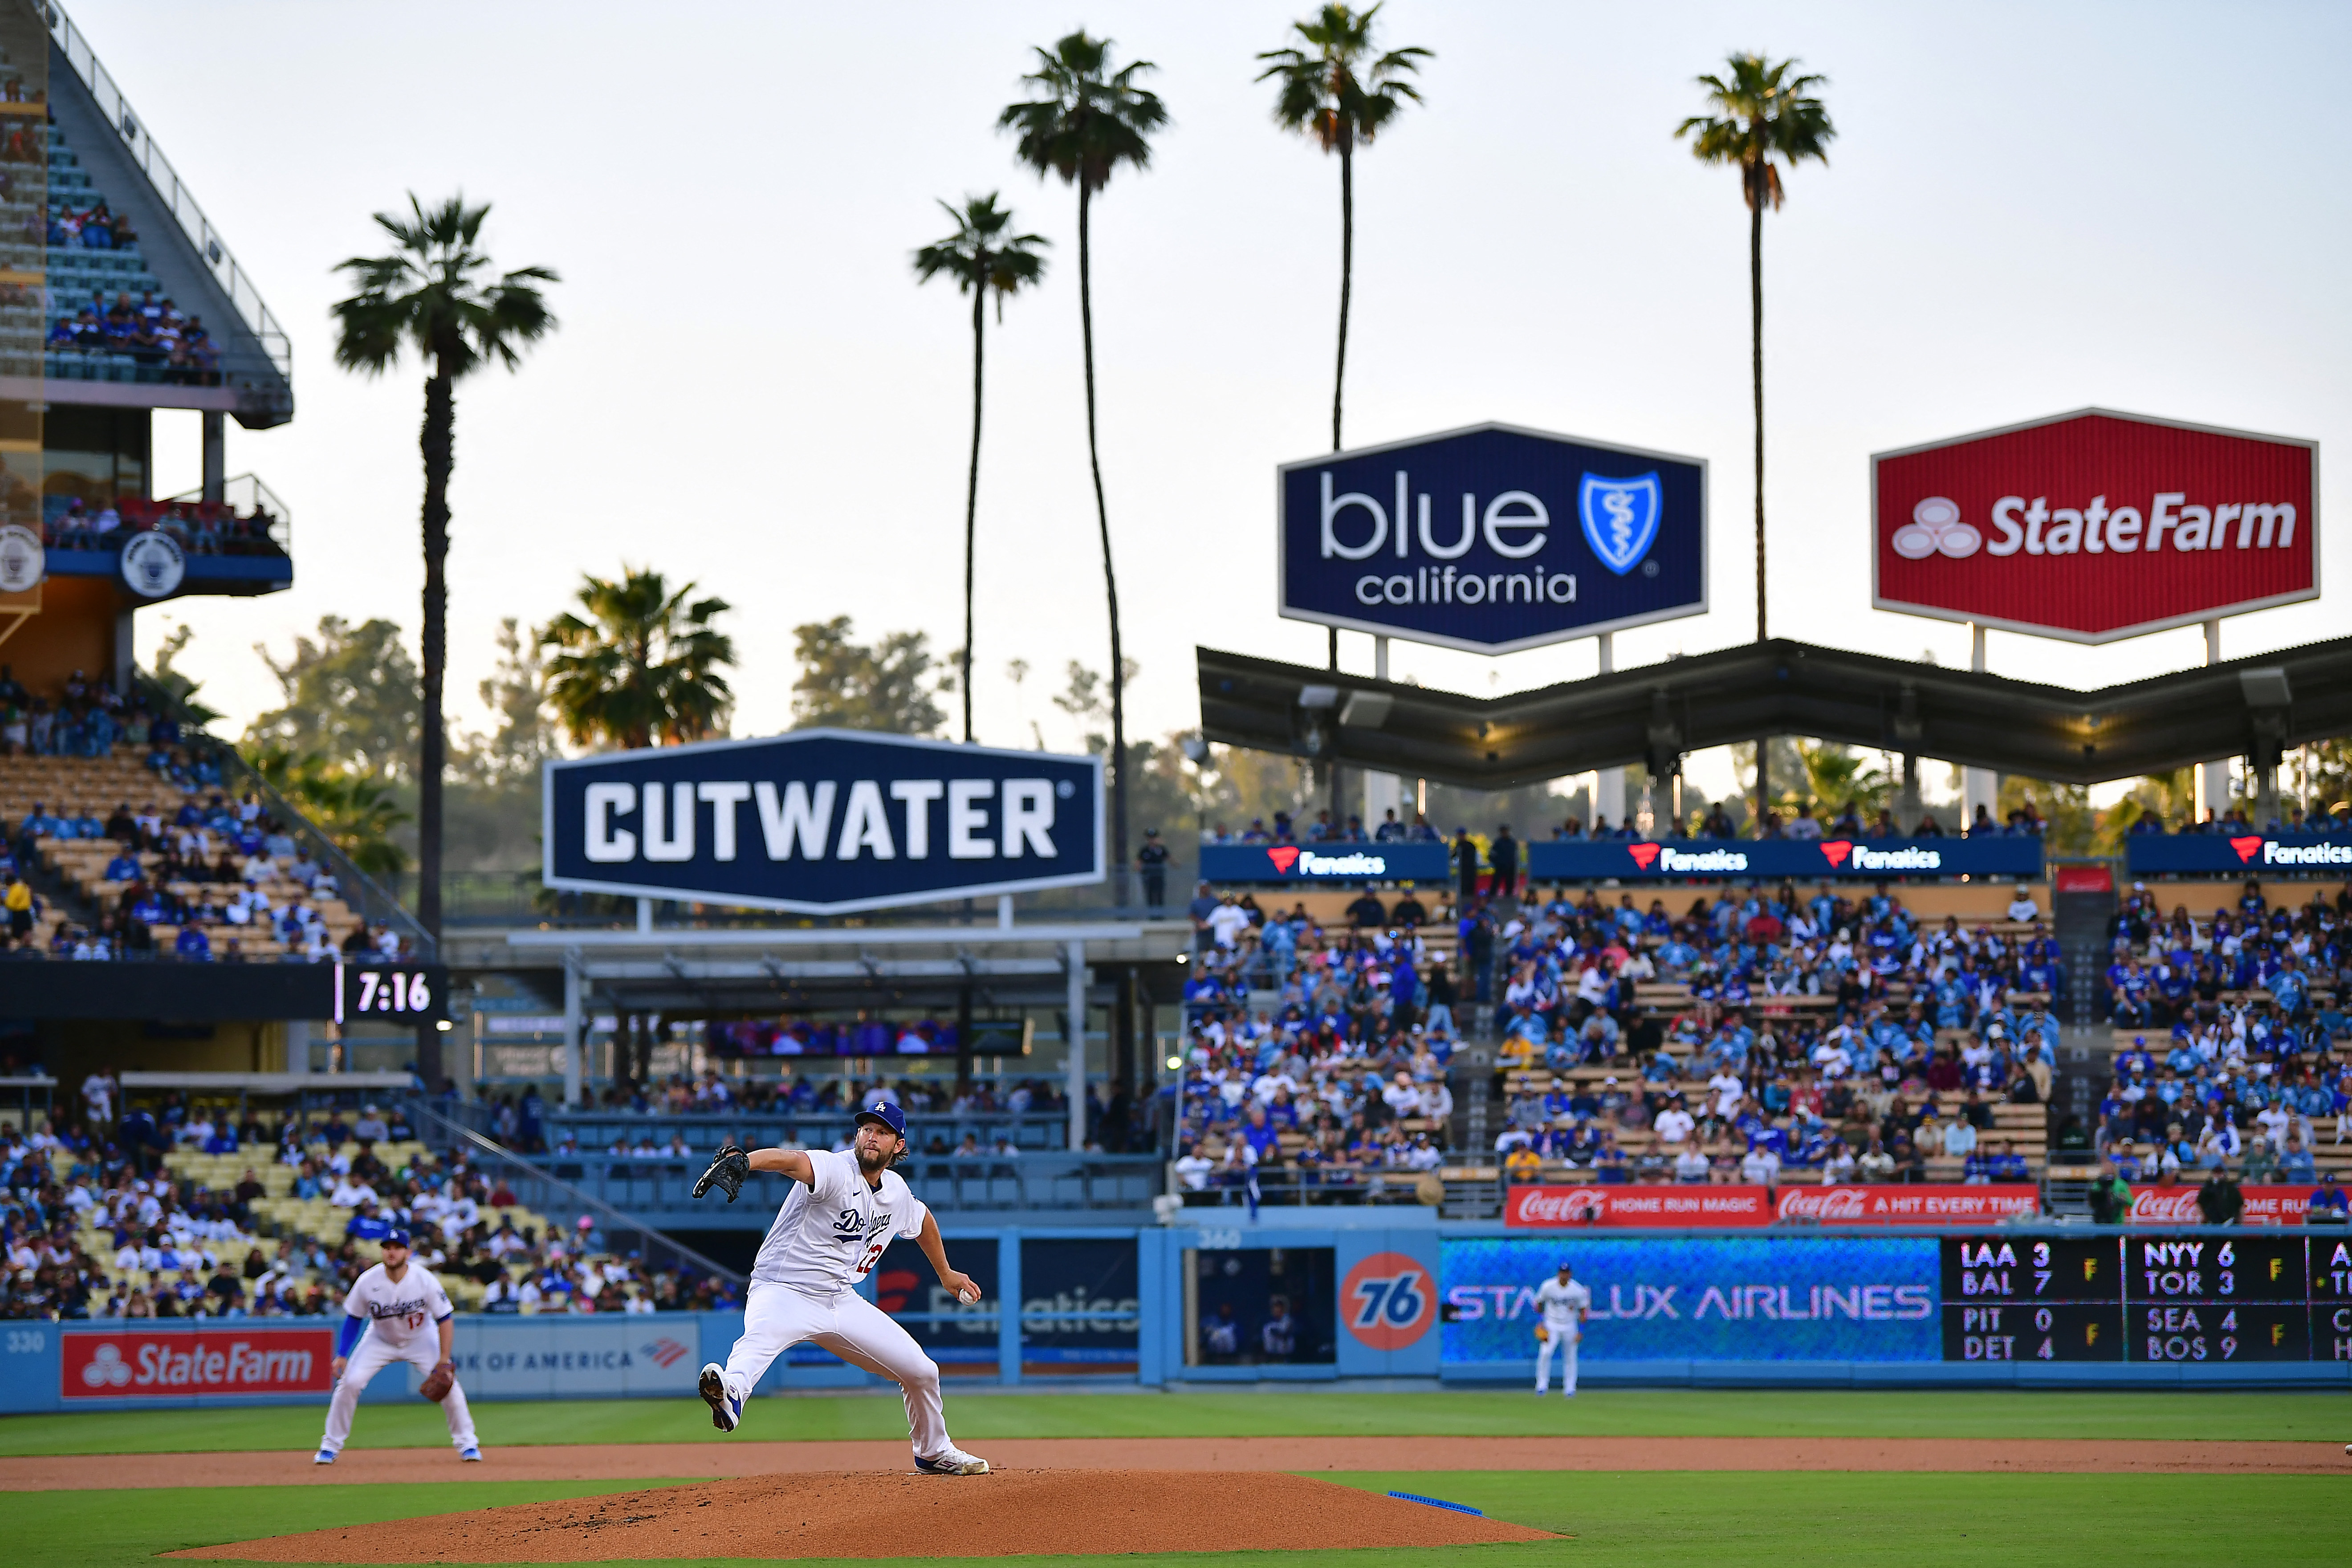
1398, 1297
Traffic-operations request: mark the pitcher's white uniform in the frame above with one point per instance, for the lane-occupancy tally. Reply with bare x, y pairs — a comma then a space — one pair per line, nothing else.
1563, 1307
404, 1325
825, 1238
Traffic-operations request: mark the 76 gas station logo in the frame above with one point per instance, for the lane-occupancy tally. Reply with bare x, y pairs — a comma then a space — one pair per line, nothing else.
1387, 1301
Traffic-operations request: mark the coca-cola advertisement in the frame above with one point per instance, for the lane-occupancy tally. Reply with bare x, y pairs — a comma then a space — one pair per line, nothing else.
1909, 1206
2094, 525
2178, 1205
133, 1363
1555, 1208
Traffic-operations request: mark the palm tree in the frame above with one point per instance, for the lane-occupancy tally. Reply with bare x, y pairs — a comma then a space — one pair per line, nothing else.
1763, 112
980, 256
1338, 92
1085, 120
641, 667
434, 293
356, 812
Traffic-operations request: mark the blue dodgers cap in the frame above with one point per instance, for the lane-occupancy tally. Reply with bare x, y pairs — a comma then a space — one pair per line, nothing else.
397, 1236
887, 1114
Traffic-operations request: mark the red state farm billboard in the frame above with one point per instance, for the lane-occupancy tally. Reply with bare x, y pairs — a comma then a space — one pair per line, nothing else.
140, 1363
2094, 525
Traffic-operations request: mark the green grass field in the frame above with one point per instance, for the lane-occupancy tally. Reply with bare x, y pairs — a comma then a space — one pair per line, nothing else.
1716, 1518
1721, 1520
977, 1417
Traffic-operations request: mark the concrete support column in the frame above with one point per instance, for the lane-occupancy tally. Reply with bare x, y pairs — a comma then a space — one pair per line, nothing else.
2213, 778
644, 914
298, 1044
574, 1027
1608, 784
126, 651
1979, 787
216, 455
1075, 1070
1383, 792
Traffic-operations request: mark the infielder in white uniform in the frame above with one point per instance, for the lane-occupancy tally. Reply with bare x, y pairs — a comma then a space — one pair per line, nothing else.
843, 1210
395, 1311
1565, 1304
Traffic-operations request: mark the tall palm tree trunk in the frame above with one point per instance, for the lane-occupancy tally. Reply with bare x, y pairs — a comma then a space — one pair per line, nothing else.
1347, 275
1755, 366
971, 496
438, 443
1111, 578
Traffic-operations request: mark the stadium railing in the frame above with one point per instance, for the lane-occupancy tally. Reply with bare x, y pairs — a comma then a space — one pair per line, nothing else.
542, 1189
703, 1133
660, 1187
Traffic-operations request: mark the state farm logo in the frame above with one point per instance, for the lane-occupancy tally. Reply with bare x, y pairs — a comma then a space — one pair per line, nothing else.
2245, 848
1935, 529
1558, 1206
1823, 1203
106, 1367
2163, 1205
1643, 854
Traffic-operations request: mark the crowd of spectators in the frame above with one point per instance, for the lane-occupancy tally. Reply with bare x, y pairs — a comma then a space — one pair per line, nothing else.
195, 865
169, 345
2246, 1078
96, 1224
199, 528
1338, 1072
94, 227
2293, 817
1780, 1032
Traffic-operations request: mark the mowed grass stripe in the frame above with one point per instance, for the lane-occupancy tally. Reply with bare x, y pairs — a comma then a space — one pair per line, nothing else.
1655, 1518
975, 1418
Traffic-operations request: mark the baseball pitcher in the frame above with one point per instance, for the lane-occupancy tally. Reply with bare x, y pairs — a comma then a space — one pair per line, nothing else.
396, 1312
1564, 1303
841, 1213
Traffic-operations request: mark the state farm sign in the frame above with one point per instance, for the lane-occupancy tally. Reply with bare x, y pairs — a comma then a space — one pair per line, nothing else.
133, 1363
2094, 525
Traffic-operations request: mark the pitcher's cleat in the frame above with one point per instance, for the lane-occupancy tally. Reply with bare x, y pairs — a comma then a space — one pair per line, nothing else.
954, 1462
725, 1410
470, 1456
326, 1457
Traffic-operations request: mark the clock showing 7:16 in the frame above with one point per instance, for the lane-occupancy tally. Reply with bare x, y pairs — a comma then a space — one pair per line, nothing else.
411, 993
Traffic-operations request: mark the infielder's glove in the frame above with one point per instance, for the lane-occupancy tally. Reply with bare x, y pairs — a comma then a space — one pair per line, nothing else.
438, 1382
728, 1173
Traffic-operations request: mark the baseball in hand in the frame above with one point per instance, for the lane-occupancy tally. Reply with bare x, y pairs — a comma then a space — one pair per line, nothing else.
968, 1295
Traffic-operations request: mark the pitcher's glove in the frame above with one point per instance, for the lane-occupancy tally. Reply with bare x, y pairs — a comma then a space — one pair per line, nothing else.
438, 1382
728, 1173
1543, 1335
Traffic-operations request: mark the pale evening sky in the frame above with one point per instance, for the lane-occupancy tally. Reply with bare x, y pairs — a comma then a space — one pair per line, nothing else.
2028, 209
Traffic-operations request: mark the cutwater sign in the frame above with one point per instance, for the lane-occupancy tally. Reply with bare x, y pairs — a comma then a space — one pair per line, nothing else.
821, 820
1493, 538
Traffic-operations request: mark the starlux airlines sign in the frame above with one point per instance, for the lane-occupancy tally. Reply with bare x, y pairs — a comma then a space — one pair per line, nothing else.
2093, 526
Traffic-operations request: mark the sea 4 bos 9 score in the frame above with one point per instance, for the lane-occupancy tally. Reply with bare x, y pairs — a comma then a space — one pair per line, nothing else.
1492, 538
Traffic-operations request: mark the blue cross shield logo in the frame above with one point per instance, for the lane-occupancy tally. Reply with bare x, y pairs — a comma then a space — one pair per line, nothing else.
1621, 518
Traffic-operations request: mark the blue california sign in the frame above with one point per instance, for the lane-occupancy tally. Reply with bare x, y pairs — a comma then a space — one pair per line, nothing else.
821, 820
1492, 538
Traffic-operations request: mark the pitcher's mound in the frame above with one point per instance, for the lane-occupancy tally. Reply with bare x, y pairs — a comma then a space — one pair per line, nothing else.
1011, 1512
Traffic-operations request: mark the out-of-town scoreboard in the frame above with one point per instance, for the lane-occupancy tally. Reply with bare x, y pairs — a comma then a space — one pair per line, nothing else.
2174, 1298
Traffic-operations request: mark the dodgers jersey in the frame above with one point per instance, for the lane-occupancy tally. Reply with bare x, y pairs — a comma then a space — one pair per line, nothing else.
1561, 1303
830, 1232
398, 1313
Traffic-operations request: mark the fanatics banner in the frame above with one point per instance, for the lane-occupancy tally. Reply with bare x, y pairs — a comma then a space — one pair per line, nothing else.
1823, 860
2232, 855
1325, 862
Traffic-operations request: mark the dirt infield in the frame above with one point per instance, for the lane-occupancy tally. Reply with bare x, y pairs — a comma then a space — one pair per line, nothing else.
1006, 1513
637, 1461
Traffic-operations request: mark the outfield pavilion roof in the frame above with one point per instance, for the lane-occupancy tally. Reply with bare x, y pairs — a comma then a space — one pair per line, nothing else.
1652, 715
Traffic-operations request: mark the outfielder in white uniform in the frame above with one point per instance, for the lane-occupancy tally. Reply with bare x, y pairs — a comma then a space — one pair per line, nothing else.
395, 1311
843, 1210
1565, 1304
